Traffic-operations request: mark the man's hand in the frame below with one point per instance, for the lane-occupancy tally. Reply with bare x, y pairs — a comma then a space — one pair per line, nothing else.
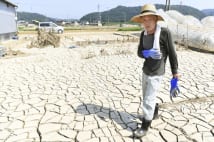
174, 90
153, 53
178, 76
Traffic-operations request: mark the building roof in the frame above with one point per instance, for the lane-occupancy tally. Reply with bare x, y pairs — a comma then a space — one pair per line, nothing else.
10, 3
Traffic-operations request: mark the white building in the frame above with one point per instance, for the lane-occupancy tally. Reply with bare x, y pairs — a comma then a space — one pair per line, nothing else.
8, 20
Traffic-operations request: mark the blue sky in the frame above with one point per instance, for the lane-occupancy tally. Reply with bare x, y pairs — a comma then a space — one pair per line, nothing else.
78, 8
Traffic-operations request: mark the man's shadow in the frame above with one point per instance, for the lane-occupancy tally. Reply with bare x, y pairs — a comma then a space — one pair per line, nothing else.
125, 120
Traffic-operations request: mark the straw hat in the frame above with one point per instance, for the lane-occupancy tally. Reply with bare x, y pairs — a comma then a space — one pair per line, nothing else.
147, 9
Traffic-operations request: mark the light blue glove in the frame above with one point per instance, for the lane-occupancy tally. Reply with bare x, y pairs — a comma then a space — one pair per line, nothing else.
153, 53
174, 90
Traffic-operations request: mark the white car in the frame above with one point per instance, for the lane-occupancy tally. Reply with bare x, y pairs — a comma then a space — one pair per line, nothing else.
50, 27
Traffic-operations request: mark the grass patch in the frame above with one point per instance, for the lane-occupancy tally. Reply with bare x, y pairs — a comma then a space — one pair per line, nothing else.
130, 29
26, 29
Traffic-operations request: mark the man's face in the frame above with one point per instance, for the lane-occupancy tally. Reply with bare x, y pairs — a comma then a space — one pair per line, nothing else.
149, 23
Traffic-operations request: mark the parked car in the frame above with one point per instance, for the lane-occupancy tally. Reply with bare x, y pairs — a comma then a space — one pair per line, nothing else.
50, 27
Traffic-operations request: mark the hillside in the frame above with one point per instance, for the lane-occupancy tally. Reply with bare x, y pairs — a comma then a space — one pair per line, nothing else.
26, 16
208, 12
118, 14
124, 14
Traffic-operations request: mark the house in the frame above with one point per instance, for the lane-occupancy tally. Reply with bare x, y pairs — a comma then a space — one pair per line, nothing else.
8, 20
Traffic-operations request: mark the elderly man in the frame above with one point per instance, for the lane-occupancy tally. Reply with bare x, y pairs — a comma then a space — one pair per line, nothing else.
155, 46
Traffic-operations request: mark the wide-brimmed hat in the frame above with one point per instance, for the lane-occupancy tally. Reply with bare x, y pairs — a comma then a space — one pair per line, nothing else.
147, 9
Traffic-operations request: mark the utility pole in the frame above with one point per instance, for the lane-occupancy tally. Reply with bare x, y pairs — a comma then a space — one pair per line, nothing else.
167, 5
99, 14
181, 3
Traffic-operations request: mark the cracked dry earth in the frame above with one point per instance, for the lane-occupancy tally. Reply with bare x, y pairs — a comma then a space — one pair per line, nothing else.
55, 95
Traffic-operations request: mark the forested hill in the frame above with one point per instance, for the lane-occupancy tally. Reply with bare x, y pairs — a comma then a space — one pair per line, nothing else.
26, 16
118, 14
122, 13
208, 12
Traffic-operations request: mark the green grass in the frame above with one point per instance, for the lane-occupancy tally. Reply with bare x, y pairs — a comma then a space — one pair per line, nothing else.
26, 29
130, 29
72, 28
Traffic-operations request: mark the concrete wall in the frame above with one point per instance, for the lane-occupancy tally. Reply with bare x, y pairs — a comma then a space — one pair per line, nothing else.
8, 18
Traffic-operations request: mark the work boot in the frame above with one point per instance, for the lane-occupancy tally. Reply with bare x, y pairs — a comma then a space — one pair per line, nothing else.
140, 132
155, 116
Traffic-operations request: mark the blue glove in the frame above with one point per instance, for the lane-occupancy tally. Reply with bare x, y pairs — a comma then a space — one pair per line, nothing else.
174, 90
153, 53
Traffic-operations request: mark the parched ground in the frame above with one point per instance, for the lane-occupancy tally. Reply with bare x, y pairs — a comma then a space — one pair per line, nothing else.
89, 90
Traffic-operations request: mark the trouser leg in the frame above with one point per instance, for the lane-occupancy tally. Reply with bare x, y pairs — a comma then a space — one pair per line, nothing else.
150, 89
151, 86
